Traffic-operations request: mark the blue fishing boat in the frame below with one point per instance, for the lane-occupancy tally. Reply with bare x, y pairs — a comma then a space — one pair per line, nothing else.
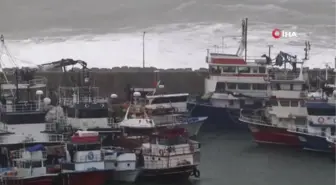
320, 120
234, 82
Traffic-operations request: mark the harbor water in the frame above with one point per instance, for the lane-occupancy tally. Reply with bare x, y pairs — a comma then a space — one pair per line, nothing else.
232, 158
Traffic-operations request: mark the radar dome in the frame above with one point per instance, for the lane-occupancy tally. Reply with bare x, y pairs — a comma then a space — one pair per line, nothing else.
39, 92
47, 101
136, 94
114, 96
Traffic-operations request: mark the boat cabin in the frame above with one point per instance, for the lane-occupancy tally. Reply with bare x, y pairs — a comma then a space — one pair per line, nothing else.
287, 103
84, 108
176, 102
164, 146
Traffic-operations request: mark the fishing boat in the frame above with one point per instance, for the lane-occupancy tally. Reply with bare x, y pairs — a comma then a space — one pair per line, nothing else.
285, 109
80, 100
80, 161
139, 118
234, 82
321, 119
170, 155
24, 99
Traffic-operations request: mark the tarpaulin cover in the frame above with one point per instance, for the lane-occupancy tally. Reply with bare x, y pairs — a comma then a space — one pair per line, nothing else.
35, 148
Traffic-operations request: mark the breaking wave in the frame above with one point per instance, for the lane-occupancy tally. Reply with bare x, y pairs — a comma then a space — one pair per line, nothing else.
167, 46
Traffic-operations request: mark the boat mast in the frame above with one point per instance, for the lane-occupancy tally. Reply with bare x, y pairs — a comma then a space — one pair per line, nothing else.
245, 43
3, 46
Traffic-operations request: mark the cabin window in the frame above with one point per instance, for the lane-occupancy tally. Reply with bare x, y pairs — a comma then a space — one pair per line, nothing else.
262, 69
243, 86
254, 69
231, 86
215, 70
285, 87
321, 111
230, 102
276, 86
229, 69
297, 87
93, 113
294, 103
300, 121
304, 87
220, 87
259, 86
243, 70
33, 164
173, 99
284, 103
274, 102
302, 103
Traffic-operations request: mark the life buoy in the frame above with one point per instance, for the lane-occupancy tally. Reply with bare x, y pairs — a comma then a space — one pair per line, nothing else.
196, 173
90, 156
161, 152
320, 120
86, 106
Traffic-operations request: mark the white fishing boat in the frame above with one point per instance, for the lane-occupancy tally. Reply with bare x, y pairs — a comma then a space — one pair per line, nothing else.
170, 155
140, 119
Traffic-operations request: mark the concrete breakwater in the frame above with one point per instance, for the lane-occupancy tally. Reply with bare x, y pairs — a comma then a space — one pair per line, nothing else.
116, 82
175, 81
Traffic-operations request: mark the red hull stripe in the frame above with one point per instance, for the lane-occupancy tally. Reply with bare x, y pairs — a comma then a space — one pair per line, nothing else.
239, 61
242, 75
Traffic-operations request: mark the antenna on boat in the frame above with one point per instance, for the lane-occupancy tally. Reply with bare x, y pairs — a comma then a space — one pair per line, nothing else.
269, 50
143, 49
243, 41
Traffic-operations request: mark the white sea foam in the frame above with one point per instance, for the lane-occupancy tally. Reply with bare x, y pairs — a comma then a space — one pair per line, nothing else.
174, 46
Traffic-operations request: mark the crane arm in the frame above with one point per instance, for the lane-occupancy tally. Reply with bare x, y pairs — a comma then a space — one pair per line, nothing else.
62, 63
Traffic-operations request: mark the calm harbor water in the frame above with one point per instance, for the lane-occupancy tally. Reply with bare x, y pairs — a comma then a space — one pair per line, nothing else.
230, 158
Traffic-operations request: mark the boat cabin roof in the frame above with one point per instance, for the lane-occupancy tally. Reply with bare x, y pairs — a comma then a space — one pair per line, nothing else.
167, 95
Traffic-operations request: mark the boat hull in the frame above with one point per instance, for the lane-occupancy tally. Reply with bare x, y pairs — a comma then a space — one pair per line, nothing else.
268, 134
85, 178
313, 143
41, 180
170, 174
23, 118
218, 117
192, 128
126, 176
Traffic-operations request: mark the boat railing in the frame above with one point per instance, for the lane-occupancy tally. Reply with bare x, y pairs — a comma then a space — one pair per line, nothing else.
57, 138
303, 129
20, 154
331, 138
34, 106
57, 127
70, 101
170, 162
87, 158
167, 120
251, 118
3, 128
170, 151
283, 76
113, 124
38, 80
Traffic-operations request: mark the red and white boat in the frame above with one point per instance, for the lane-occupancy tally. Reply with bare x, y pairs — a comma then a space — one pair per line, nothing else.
79, 162
286, 108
